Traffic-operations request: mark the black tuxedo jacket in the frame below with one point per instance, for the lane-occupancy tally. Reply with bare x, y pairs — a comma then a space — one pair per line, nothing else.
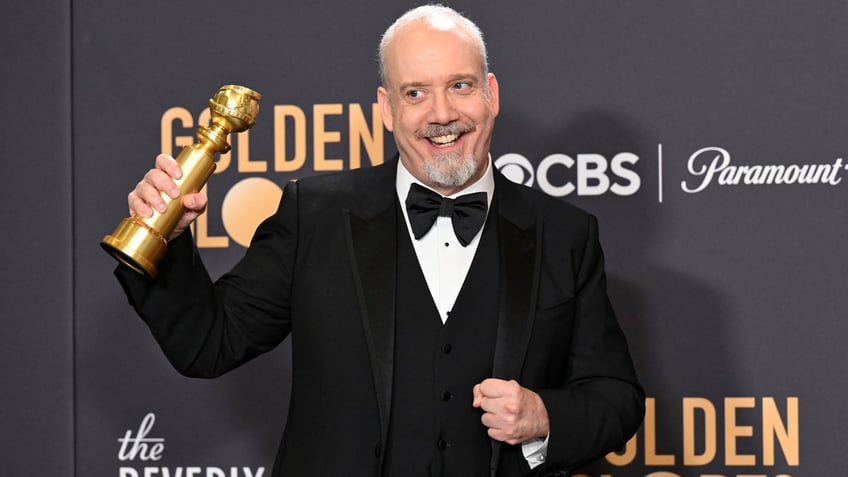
323, 270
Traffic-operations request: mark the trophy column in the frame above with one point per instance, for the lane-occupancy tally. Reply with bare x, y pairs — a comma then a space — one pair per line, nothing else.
140, 243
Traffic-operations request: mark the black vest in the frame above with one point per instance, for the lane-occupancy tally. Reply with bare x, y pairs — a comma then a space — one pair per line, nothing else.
434, 430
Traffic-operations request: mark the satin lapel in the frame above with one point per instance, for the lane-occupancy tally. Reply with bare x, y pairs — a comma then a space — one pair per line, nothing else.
520, 257
371, 244
519, 238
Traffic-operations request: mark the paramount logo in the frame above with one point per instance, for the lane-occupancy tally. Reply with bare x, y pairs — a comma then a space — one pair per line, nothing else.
712, 165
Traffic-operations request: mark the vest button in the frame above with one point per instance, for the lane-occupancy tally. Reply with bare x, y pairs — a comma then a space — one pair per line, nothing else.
447, 348
446, 396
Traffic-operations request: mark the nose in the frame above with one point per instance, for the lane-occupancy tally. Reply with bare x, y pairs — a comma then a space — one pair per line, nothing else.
443, 110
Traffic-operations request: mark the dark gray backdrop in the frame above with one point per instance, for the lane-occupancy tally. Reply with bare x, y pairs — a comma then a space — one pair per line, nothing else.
735, 291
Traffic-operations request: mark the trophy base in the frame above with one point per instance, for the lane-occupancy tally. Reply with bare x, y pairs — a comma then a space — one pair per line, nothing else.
136, 246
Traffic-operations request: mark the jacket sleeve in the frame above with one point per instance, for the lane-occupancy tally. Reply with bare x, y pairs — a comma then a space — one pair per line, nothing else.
601, 403
206, 329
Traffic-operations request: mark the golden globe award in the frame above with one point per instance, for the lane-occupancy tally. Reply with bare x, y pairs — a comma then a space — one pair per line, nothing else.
140, 243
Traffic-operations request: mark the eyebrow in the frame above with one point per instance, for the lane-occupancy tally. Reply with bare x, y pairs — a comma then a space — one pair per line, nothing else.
412, 84
467, 77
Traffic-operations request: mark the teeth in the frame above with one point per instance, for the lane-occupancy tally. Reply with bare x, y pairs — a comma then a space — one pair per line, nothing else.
446, 139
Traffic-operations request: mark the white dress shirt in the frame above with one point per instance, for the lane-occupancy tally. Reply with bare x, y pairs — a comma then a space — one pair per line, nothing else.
445, 264
444, 261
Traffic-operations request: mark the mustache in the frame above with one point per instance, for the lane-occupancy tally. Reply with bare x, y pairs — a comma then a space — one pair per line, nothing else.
454, 127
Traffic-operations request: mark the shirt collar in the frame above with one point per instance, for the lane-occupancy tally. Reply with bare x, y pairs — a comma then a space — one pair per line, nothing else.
404, 179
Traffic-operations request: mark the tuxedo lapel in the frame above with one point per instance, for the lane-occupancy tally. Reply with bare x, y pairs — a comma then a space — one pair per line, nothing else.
519, 242
372, 244
519, 239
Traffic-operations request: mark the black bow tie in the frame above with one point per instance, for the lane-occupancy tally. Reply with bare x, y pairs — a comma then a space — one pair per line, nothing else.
467, 212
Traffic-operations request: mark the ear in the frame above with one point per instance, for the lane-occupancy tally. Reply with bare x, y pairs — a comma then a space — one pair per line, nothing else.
494, 99
385, 108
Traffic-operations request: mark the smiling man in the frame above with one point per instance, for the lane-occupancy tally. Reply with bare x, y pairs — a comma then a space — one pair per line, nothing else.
438, 98
444, 321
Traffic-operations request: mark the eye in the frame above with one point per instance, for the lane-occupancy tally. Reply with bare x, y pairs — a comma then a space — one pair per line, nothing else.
461, 86
414, 94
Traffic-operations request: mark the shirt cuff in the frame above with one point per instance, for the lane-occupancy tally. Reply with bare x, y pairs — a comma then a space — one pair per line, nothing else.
535, 451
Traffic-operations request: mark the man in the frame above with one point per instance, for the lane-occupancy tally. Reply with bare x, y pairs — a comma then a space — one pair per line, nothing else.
422, 344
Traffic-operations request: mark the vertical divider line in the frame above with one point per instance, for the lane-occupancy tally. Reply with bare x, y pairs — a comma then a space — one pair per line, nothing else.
73, 259
659, 174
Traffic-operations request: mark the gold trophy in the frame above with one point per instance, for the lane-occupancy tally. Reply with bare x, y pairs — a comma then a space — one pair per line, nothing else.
140, 243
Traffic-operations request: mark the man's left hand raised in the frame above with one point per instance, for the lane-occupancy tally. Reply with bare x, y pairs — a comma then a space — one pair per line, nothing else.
512, 413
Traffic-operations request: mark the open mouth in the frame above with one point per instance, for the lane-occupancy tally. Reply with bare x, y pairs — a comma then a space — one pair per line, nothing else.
444, 141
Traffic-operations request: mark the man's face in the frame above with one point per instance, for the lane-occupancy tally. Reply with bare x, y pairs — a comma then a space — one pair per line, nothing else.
439, 105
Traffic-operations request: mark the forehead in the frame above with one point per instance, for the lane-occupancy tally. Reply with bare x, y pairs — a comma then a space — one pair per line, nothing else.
421, 50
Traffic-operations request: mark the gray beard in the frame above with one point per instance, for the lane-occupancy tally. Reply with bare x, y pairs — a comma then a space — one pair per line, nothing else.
451, 169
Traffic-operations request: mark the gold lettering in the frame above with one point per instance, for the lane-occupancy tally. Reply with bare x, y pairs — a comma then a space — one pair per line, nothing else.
298, 117
243, 154
371, 138
626, 456
732, 431
201, 228
651, 456
786, 434
690, 405
321, 137
167, 129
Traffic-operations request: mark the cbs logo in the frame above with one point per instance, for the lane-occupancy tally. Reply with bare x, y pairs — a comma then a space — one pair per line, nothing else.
591, 174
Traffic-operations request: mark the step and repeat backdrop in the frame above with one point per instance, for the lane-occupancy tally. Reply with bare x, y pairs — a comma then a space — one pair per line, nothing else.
708, 137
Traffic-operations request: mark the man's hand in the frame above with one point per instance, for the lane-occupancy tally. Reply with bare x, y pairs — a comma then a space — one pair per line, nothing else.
513, 413
147, 195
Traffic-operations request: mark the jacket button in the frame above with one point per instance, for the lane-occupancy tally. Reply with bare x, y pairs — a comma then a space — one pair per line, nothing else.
446, 396
447, 348
442, 444
377, 450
